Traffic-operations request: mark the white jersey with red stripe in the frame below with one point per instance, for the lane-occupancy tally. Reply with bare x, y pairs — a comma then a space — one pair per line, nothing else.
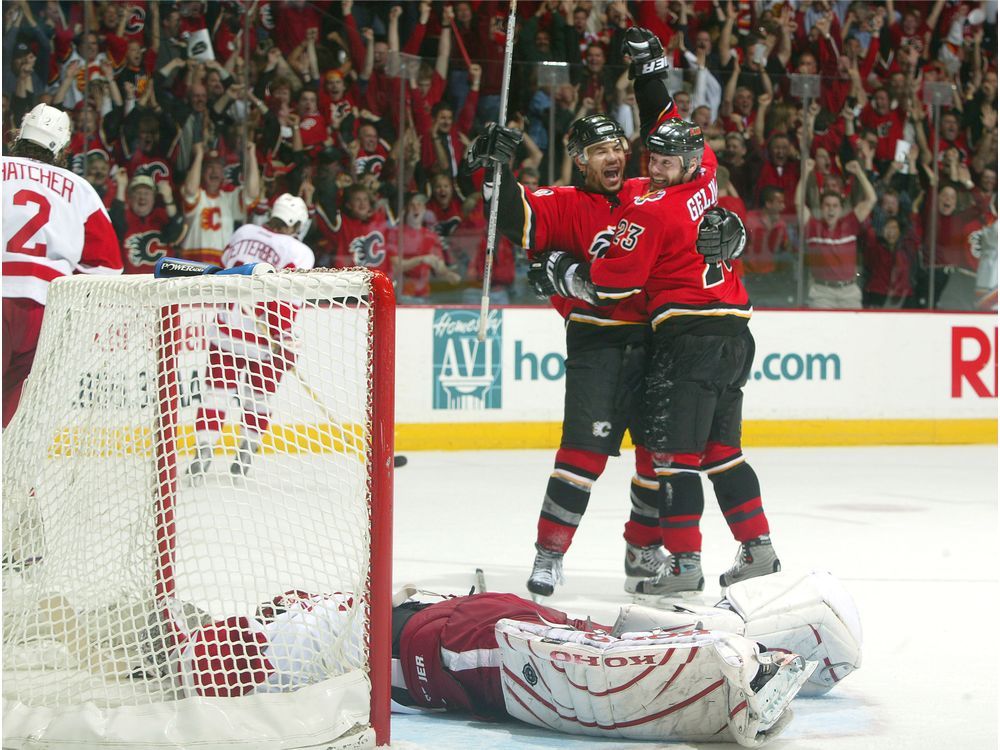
259, 331
54, 225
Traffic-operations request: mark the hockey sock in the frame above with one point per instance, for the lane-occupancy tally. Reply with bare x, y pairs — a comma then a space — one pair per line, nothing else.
680, 518
643, 526
738, 491
566, 496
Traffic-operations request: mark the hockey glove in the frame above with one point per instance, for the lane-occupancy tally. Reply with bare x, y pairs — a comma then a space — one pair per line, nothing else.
565, 274
721, 236
646, 51
497, 145
538, 277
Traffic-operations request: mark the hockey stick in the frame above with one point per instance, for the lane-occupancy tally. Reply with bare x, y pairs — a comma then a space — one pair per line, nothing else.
491, 232
481, 580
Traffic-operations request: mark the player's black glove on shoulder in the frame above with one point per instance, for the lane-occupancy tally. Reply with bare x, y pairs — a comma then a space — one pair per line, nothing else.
496, 145
547, 273
721, 235
646, 51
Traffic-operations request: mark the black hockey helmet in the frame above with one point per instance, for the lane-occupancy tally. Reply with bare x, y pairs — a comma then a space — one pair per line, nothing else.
592, 129
677, 138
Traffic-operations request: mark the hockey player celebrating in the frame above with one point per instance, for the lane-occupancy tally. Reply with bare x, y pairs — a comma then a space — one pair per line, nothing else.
686, 674
675, 250
249, 351
54, 224
605, 345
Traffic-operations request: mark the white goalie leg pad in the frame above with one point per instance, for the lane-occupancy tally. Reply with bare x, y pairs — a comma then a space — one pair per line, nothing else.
808, 614
689, 685
637, 617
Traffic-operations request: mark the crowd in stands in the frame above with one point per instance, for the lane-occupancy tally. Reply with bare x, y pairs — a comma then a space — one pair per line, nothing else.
191, 116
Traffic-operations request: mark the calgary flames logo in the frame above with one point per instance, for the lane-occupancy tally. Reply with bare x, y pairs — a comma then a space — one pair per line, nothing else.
144, 248
446, 227
136, 21
369, 165
369, 249
601, 242
155, 169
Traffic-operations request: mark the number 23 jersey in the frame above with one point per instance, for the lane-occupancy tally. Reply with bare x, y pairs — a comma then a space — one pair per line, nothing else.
653, 254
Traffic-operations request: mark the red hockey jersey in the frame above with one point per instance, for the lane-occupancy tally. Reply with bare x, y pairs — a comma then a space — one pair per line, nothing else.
449, 652
653, 254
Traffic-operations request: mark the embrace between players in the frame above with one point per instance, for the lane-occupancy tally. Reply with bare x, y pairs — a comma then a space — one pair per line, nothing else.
656, 337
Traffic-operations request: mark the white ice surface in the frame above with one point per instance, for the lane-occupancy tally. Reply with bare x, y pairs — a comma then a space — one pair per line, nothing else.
911, 531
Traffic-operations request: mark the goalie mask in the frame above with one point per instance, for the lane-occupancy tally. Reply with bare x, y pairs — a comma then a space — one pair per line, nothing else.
589, 131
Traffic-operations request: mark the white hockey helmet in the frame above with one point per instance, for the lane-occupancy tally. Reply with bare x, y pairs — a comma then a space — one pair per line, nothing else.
48, 127
290, 209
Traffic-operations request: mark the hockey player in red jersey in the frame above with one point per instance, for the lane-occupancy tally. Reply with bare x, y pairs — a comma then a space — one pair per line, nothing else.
54, 225
674, 249
606, 345
250, 350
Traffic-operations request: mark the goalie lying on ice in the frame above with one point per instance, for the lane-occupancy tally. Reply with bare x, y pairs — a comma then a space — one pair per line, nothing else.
685, 674
718, 673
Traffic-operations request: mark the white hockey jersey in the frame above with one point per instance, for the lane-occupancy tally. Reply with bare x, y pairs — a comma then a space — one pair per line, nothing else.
54, 224
256, 244
264, 330
210, 221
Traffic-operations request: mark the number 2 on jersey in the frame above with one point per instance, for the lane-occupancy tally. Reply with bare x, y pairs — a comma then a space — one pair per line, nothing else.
16, 243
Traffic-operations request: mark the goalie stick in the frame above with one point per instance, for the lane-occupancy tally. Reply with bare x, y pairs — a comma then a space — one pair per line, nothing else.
491, 232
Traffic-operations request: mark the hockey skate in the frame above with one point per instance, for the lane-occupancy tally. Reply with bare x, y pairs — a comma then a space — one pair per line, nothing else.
755, 558
244, 457
643, 562
545, 573
681, 575
198, 468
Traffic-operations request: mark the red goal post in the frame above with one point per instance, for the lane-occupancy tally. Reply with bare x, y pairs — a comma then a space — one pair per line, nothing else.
119, 560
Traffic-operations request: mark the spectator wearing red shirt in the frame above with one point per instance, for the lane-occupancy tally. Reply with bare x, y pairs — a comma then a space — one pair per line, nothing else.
372, 155
780, 169
446, 208
768, 262
336, 100
887, 123
441, 147
147, 232
359, 235
311, 129
832, 242
293, 19
954, 266
951, 136
890, 262
422, 254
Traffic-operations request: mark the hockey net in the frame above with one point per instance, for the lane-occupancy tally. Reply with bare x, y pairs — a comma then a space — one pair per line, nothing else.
116, 552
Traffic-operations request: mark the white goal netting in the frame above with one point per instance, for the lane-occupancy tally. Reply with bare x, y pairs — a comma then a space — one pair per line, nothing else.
185, 452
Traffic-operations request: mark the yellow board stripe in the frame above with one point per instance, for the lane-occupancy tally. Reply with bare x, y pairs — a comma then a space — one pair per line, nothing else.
334, 438
107, 442
770, 433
